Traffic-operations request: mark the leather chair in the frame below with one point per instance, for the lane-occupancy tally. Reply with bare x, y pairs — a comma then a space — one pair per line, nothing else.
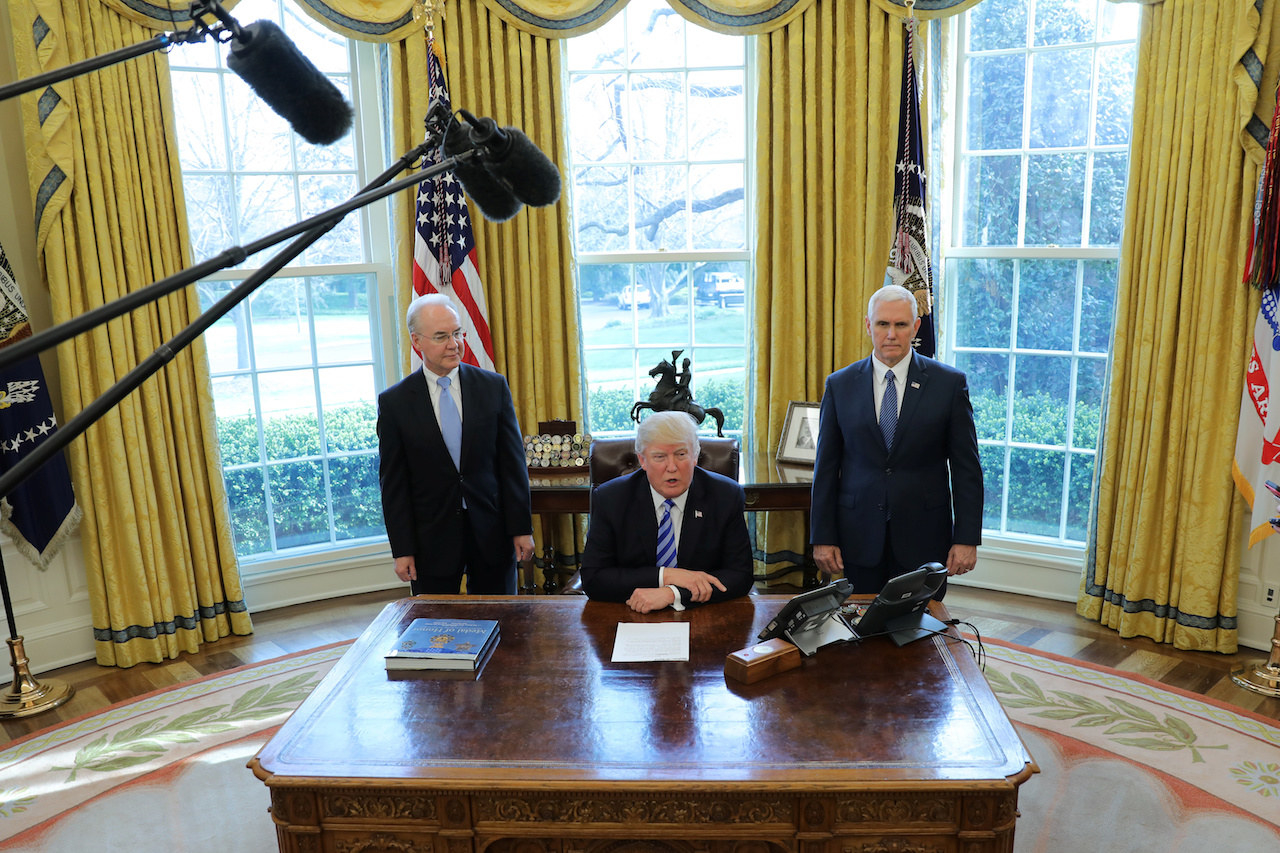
616, 457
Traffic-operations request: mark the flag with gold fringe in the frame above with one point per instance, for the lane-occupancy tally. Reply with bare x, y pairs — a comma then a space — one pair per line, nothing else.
1257, 457
909, 263
444, 247
40, 512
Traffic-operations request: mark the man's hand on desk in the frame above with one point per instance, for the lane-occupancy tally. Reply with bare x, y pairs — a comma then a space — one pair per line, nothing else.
699, 584
650, 599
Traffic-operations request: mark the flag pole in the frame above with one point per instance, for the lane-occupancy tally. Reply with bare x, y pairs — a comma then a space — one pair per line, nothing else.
26, 696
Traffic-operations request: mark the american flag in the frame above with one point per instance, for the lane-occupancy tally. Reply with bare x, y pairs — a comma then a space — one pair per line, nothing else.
909, 256
444, 249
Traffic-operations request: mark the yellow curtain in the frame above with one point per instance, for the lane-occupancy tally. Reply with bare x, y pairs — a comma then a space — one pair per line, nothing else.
1164, 555
824, 207
162, 573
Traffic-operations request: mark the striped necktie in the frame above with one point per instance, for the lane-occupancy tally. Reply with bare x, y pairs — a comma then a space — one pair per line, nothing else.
666, 537
889, 410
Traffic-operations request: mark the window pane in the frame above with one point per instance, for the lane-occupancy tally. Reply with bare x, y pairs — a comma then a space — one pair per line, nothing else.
720, 382
211, 217
994, 108
984, 301
600, 209
345, 391
711, 48
341, 308
281, 326
1064, 21
197, 101
660, 200
265, 204
602, 48
657, 112
1060, 98
1091, 376
298, 503
1046, 304
260, 139
1097, 305
1116, 68
988, 378
237, 430
717, 115
1035, 491
666, 320
345, 243
247, 503
993, 483
290, 426
611, 390
1078, 496
357, 500
1055, 199
1106, 204
719, 210
990, 215
996, 24
597, 121
1041, 390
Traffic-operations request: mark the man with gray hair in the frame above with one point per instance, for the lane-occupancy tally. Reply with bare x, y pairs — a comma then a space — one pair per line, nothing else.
897, 482
455, 485
670, 534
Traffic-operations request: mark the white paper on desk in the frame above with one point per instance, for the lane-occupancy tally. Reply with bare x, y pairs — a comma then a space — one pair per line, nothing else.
645, 641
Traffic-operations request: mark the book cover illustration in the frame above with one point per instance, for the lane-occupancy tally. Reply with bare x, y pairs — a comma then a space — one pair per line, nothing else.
445, 639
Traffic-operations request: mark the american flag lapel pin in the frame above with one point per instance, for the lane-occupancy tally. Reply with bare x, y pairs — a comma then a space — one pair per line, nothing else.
915, 384
697, 513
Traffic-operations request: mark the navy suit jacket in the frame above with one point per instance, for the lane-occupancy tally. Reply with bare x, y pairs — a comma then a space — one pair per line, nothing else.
927, 489
621, 553
422, 490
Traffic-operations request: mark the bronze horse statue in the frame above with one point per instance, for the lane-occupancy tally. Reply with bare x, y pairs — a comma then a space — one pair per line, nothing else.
672, 393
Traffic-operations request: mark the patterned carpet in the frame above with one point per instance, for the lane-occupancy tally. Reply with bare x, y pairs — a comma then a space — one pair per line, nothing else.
1126, 764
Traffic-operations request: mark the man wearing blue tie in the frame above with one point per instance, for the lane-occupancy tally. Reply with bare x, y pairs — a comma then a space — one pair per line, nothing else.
455, 485
670, 534
897, 482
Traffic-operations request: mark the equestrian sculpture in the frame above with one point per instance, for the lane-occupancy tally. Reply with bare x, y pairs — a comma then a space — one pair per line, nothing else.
673, 393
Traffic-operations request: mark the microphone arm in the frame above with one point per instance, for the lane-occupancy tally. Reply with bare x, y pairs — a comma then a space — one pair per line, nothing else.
311, 229
195, 33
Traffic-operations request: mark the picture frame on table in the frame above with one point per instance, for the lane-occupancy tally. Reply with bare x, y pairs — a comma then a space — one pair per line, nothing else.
799, 443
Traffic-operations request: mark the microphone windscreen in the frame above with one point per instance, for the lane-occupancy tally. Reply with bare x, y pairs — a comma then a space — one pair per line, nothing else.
534, 179
266, 59
495, 200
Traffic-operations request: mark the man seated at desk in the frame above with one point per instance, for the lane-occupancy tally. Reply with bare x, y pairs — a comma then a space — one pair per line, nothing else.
670, 534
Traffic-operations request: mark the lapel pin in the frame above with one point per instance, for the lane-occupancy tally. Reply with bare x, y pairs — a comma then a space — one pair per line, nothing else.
915, 384
697, 513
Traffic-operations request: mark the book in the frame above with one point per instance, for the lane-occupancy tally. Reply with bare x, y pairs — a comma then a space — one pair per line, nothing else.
443, 644
440, 667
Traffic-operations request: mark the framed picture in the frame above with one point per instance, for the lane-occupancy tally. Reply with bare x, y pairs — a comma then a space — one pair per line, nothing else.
799, 442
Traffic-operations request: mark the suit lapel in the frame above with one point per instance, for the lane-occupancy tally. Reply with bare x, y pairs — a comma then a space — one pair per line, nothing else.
864, 399
422, 412
642, 510
693, 523
470, 407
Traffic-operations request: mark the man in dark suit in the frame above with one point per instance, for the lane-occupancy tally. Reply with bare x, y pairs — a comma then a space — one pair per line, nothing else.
455, 485
670, 534
895, 485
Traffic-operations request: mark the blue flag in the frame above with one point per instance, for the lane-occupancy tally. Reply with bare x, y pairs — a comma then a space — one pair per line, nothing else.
909, 263
41, 512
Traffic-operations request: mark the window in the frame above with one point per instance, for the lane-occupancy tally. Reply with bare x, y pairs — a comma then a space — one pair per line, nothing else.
658, 151
296, 366
1044, 107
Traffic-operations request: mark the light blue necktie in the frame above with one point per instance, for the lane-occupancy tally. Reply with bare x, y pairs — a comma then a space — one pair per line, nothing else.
666, 537
450, 422
889, 410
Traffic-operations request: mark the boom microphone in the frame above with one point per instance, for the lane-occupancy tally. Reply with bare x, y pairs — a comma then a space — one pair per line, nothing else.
512, 158
265, 58
492, 196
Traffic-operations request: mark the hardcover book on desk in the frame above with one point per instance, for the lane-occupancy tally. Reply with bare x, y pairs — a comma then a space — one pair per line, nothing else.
462, 644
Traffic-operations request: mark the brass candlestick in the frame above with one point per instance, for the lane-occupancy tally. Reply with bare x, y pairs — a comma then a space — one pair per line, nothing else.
1262, 676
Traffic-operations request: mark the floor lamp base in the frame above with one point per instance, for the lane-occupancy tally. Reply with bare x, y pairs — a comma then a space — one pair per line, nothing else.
26, 696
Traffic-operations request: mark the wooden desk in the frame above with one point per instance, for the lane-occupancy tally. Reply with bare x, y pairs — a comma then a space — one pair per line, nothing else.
554, 749
769, 487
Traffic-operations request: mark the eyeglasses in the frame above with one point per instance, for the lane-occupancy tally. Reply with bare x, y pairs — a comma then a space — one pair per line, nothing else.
443, 337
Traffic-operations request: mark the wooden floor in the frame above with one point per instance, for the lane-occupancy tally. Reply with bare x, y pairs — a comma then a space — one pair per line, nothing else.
1048, 626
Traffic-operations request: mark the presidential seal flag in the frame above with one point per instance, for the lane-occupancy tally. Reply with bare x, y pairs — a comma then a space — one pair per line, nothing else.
444, 249
41, 512
909, 263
